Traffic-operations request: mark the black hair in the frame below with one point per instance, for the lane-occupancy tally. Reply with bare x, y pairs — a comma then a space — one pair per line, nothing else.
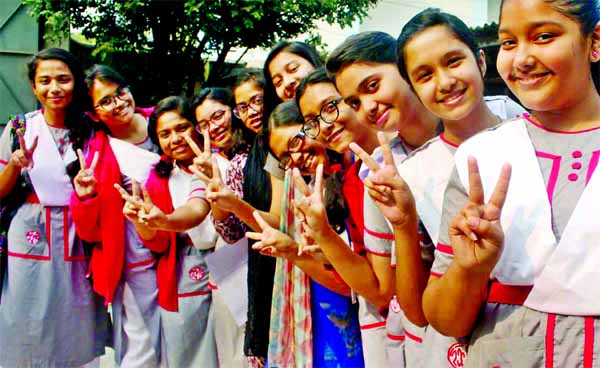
287, 114
317, 76
80, 127
172, 103
584, 12
302, 49
246, 75
429, 18
241, 135
365, 47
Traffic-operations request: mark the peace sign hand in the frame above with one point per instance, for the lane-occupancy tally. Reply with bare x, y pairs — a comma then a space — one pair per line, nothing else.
476, 233
202, 161
386, 187
218, 193
133, 203
85, 181
23, 157
271, 241
310, 209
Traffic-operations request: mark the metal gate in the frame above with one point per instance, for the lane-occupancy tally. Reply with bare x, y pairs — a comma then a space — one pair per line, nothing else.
19, 40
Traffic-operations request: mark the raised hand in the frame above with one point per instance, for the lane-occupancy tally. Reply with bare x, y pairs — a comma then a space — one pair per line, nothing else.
386, 187
217, 192
23, 157
476, 232
150, 215
133, 203
310, 209
202, 161
85, 181
271, 241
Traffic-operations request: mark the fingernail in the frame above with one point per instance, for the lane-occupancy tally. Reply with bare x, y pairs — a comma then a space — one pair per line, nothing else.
473, 222
473, 236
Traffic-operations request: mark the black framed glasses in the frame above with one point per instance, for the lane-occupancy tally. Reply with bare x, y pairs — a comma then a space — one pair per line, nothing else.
329, 113
216, 118
256, 103
108, 103
294, 146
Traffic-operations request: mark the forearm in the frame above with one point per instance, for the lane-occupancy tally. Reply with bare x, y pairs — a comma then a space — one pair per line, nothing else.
354, 269
452, 303
8, 179
145, 232
187, 216
244, 211
316, 270
411, 276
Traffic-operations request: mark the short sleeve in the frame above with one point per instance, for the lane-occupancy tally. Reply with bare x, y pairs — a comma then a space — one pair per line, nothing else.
197, 189
455, 199
272, 167
378, 236
5, 145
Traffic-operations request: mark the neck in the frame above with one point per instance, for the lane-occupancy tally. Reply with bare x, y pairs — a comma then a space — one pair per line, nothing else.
584, 114
417, 134
369, 141
457, 131
55, 118
133, 132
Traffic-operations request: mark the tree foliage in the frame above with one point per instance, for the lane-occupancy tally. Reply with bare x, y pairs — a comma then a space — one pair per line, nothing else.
179, 35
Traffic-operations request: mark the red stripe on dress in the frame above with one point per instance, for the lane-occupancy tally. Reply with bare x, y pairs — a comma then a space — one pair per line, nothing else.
435, 274
198, 190
588, 344
212, 286
396, 337
413, 337
3, 162
444, 248
550, 325
379, 235
377, 253
66, 256
139, 264
195, 293
372, 325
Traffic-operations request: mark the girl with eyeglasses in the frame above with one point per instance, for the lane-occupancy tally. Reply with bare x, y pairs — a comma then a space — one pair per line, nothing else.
122, 269
327, 294
49, 315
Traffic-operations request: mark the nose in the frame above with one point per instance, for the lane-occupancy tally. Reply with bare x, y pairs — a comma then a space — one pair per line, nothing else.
523, 60
54, 86
176, 137
370, 107
327, 129
446, 81
290, 85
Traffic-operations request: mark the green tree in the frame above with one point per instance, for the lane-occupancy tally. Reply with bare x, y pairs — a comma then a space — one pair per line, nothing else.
176, 36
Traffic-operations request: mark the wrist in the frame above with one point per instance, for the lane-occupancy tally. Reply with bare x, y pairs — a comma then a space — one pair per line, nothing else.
408, 222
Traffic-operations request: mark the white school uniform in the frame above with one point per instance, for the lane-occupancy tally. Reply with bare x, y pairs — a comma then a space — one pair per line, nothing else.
550, 231
49, 315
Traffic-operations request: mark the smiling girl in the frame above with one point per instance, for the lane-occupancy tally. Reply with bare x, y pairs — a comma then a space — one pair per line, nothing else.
518, 262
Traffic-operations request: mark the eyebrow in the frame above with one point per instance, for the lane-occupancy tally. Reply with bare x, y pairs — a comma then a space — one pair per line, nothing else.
535, 25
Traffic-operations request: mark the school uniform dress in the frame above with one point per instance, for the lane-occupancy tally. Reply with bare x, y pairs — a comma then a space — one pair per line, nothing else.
49, 316
184, 295
543, 301
426, 170
123, 270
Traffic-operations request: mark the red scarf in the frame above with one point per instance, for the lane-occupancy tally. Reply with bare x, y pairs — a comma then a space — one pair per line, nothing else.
165, 243
99, 219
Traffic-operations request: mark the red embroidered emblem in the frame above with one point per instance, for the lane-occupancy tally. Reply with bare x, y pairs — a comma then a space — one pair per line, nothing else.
33, 237
457, 355
196, 273
394, 305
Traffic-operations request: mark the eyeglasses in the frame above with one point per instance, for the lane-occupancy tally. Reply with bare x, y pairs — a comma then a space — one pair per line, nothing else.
108, 103
256, 103
329, 114
216, 118
294, 145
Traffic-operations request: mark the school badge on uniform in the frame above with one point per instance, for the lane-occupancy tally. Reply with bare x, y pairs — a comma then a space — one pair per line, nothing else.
196, 273
394, 305
457, 355
33, 237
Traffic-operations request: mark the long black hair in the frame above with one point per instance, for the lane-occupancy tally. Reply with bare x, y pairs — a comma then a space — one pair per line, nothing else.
79, 127
241, 136
176, 104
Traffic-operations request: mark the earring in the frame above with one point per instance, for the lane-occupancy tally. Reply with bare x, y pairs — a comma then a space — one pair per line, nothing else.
595, 54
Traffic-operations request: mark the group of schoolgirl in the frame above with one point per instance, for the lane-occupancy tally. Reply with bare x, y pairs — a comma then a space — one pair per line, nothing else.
395, 215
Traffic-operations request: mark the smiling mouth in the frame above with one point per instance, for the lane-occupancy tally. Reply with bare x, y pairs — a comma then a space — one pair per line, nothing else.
219, 135
382, 117
530, 80
335, 136
256, 123
454, 97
